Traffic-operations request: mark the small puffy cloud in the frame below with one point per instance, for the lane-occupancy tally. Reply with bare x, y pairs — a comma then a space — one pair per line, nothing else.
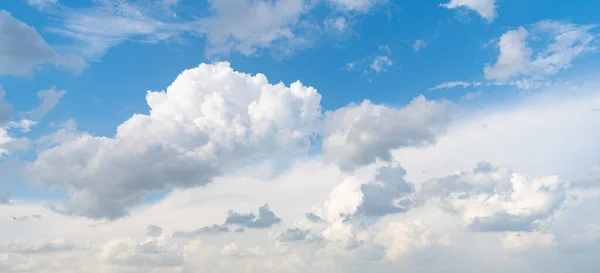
313, 217
485, 8
22, 47
207, 230
48, 100
380, 63
514, 55
418, 45
357, 135
153, 231
292, 235
495, 199
211, 118
265, 219
557, 45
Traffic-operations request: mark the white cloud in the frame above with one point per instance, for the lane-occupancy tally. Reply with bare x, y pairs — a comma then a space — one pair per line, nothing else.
380, 63
561, 43
210, 119
418, 45
355, 5
496, 199
364, 223
471, 96
401, 238
22, 48
247, 26
448, 85
514, 55
94, 30
41, 4
377, 62
49, 99
357, 135
485, 8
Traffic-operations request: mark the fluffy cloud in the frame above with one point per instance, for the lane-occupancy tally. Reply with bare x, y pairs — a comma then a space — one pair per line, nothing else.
561, 44
211, 118
22, 48
357, 135
496, 199
246, 26
265, 219
485, 8
418, 45
401, 238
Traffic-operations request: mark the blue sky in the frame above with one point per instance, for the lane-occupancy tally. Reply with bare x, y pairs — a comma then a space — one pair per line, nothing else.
411, 103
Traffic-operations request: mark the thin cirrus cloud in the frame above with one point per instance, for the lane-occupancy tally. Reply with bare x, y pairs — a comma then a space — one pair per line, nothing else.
283, 27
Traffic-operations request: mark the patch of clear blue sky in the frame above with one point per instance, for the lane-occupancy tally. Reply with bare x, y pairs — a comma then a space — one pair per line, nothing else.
111, 90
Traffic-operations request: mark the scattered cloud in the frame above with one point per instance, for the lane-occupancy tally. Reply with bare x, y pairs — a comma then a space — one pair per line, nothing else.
247, 26
471, 96
292, 235
360, 6
448, 85
380, 63
22, 48
41, 4
557, 45
96, 29
49, 99
418, 45
265, 219
377, 62
487, 9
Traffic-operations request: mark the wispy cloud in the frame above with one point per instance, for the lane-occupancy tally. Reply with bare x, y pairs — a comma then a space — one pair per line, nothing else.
448, 85
418, 45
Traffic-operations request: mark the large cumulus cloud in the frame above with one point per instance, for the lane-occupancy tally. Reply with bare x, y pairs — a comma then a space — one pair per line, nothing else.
209, 119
